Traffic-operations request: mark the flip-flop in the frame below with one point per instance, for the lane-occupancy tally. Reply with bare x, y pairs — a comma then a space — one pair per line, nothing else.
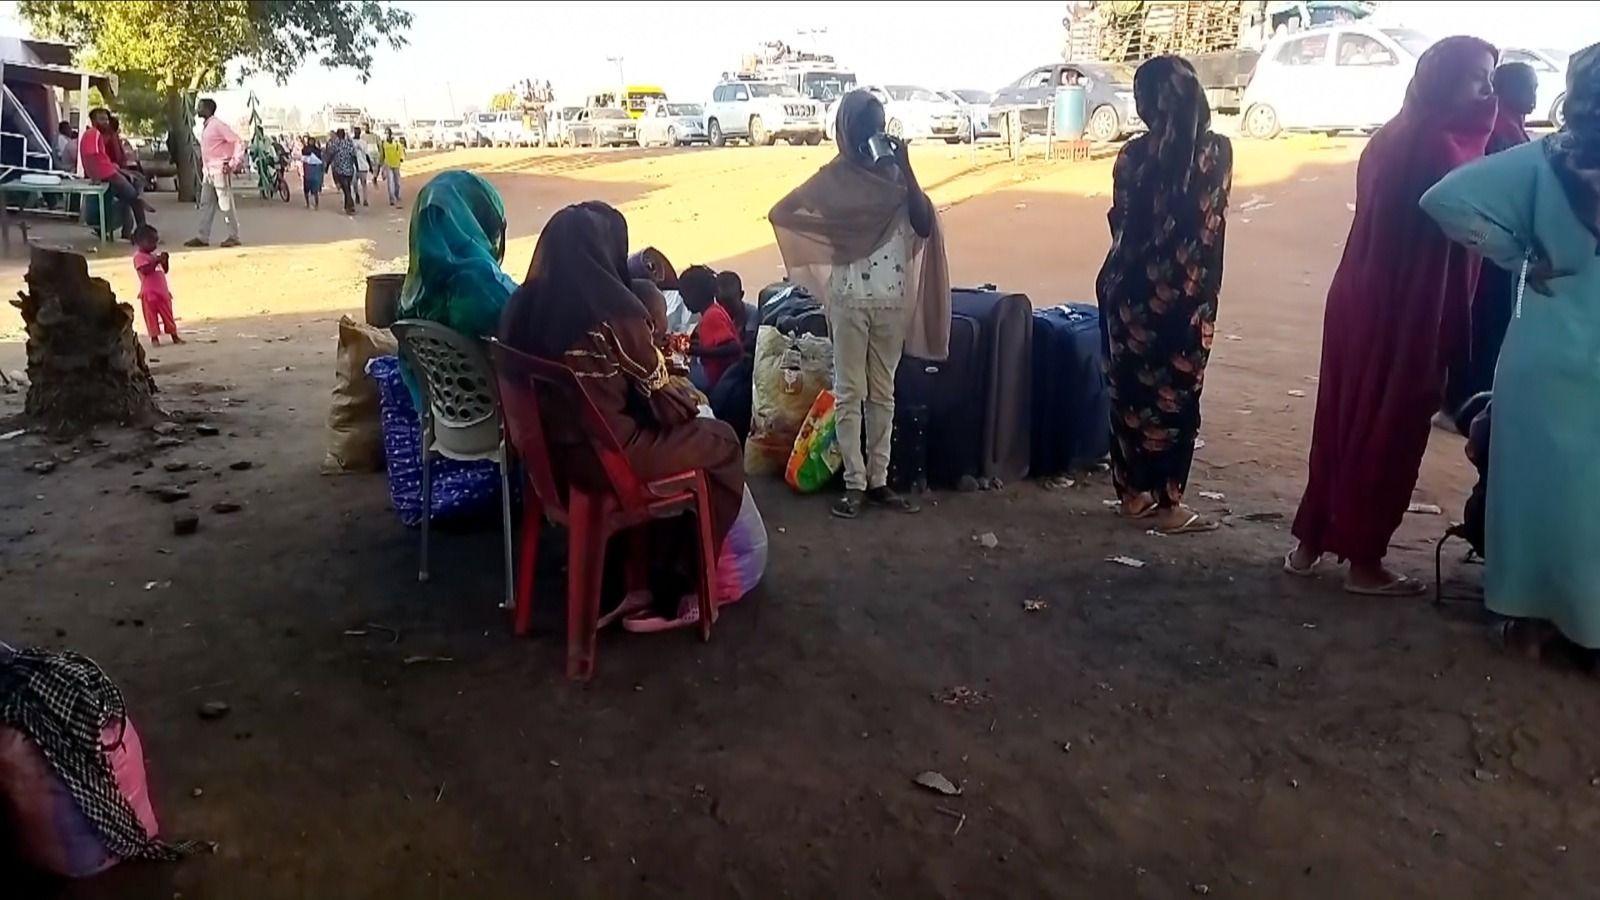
650, 623
635, 602
1292, 569
1401, 586
1194, 525
1307, 572
1145, 513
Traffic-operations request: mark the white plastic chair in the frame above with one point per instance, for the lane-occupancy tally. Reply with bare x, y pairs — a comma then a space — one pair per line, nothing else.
460, 417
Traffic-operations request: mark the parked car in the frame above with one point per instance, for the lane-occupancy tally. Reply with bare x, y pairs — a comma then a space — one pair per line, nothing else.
673, 125
421, 131
486, 129
760, 112
558, 125
1551, 68
1109, 86
450, 133
975, 104
1337, 78
915, 113
603, 127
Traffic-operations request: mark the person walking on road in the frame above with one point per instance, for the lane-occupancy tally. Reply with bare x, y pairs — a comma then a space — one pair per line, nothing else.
1158, 291
391, 154
341, 160
862, 234
221, 154
363, 166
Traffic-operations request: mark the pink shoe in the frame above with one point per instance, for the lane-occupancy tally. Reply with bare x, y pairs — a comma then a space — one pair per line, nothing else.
650, 623
635, 602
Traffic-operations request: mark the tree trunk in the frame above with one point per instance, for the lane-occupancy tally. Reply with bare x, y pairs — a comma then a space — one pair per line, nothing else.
180, 143
85, 365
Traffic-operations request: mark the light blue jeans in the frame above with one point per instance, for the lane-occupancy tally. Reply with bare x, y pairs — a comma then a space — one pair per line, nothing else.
393, 174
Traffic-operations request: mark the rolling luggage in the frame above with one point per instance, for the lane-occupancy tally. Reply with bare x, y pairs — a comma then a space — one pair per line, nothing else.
1071, 406
947, 397
1007, 348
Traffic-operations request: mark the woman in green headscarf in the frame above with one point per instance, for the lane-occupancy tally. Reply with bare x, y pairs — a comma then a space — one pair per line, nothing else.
458, 237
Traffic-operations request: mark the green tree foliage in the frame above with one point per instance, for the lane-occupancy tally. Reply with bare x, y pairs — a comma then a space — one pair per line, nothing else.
503, 101
181, 47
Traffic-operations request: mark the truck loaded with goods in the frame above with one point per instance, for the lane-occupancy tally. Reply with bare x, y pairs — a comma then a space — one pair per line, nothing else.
1221, 38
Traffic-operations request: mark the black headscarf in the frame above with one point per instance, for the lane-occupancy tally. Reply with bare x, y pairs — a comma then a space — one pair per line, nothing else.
577, 280
851, 126
1170, 100
1574, 151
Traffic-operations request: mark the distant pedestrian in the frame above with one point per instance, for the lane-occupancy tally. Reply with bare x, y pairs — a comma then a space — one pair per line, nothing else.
341, 160
221, 154
312, 168
363, 166
66, 148
1158, 291
393, 154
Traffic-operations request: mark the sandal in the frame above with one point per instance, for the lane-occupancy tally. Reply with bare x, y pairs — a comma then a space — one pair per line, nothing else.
1196, 524
1400, 586
1307, 572
849, 506
1145, 513
883, 496
651, 623
635, 602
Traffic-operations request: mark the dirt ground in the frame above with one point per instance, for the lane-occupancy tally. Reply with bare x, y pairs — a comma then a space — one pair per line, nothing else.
1202, 725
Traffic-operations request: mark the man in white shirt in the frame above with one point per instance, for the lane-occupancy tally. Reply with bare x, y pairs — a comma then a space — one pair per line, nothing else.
221, 154
66, 148
363, 165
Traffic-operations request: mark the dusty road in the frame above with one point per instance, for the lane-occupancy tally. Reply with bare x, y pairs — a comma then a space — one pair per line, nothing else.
1198, 726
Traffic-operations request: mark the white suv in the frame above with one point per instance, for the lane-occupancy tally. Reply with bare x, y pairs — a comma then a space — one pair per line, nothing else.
760, 112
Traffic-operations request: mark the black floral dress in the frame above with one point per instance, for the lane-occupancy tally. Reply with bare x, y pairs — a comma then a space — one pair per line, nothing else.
1158, 311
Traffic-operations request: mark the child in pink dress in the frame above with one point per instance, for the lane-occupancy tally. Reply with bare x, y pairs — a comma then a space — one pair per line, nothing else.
154, 295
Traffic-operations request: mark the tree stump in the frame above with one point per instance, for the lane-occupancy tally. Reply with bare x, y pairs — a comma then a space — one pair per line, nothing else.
85, 364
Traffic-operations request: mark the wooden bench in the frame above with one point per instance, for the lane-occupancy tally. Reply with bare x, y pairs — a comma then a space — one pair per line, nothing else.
68, 187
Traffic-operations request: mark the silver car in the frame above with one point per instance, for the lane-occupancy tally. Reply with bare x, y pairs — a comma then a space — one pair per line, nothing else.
673, 125
603, 127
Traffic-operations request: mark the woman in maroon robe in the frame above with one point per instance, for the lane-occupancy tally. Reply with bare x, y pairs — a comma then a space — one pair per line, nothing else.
579, 308
1397, 308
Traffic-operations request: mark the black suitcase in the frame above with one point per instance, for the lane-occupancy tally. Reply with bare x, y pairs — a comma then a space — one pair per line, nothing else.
947, 397
1007, 321
1071, 406
792, 310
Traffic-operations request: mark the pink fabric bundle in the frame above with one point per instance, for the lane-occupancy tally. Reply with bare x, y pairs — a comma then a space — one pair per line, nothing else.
51, 833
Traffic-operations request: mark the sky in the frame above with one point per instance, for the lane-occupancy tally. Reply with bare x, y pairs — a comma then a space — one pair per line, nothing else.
460, 53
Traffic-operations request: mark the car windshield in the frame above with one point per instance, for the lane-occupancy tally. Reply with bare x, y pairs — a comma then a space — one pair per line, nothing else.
1116, 73
451, 123
683, 109
905, 92
773, 90
1414, 42
422, 123
608, 114
973, 96
488, 117
826, 86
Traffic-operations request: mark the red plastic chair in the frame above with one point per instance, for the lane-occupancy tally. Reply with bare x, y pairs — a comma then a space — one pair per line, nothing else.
592, 513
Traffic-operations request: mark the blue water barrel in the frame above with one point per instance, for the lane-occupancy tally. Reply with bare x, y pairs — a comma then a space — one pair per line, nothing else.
1071, 111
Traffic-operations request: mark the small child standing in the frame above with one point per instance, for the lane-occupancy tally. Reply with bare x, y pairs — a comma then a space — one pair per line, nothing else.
154, 295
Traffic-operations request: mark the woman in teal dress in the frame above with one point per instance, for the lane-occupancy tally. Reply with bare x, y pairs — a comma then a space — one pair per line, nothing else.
1538, 206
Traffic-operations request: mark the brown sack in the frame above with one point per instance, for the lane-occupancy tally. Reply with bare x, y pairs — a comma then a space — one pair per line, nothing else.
355, 435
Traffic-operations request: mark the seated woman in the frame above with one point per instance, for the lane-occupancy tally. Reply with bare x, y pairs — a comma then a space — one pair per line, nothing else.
578, 307
458, 238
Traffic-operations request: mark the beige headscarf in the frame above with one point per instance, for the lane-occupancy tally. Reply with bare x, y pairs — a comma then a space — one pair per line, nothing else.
849, 209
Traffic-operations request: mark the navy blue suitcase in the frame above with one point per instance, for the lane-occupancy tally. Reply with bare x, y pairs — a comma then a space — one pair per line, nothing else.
945, 400
1007, 325
1071, 406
